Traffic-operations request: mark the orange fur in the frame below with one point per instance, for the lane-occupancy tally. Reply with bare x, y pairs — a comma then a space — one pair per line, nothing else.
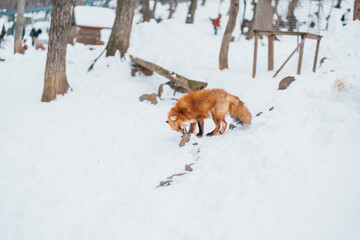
196, 106
40, 46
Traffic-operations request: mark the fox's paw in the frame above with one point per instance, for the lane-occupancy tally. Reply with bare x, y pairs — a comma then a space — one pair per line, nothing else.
199, 135
210, 134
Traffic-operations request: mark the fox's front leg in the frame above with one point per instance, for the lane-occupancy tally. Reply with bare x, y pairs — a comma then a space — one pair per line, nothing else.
200, 123
192, 127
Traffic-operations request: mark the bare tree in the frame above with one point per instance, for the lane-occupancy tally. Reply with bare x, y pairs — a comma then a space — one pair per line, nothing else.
147, 12
120, 34
223, 57
171, 2
72, 31
191, 13
145, 8
248, 24
19, 27
55, 81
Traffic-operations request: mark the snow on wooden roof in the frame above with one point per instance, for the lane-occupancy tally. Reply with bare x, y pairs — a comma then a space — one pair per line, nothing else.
94, 17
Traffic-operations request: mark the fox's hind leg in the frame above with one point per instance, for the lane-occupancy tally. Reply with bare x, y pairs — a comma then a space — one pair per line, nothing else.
215, 132
223, 126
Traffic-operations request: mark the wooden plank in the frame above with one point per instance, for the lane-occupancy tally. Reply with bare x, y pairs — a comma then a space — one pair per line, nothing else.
316, 55
307, 35
271, 52
302, 41
301, 55
255, 53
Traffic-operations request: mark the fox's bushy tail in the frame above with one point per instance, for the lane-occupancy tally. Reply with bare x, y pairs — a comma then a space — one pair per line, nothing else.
239, 111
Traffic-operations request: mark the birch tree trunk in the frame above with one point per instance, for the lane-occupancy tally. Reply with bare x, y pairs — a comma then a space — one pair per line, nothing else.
191, 13
223, 57
19, 27
120, 34
55, 81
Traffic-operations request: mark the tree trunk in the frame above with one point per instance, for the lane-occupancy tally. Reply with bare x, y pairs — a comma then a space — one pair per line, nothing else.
55, 81
78, 3
153, 10
357, 10
145, 8
203, 2
170, 8
120, 33
191, 13
19, 27
72, 32
223, 57
338, 5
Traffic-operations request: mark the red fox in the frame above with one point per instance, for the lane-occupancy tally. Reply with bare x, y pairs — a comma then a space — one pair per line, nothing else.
196, 106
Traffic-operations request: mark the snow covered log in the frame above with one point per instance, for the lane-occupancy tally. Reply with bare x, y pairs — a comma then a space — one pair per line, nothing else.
187, 84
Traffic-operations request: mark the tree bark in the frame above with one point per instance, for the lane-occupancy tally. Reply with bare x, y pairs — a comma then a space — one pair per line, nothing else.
357, 10
191, 13
203, 2
19, 27
153, 10
55, 81
145, 8
120, 34
223, 57
170, 8
78, 3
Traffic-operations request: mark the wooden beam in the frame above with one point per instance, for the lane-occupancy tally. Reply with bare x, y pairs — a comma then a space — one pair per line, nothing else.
316, 55
271, 52
307, 35
301, 55
255, 53
302, 41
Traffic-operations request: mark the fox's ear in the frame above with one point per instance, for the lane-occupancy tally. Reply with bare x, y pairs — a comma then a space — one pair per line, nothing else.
173, 118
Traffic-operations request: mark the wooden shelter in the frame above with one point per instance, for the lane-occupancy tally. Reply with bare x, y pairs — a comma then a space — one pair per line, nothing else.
88, 22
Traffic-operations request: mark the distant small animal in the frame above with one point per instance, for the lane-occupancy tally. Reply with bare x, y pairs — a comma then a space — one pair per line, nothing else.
194, 107
40, 46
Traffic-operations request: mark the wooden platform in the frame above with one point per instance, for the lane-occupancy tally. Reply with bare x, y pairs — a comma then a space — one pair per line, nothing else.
271, 37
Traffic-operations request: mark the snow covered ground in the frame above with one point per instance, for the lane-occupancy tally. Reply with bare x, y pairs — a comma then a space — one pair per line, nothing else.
86, 165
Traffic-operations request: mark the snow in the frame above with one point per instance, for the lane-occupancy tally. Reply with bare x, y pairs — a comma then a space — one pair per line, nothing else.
90, 16
87, 165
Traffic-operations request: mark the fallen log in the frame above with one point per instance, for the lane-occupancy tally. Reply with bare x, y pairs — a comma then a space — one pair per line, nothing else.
177, 81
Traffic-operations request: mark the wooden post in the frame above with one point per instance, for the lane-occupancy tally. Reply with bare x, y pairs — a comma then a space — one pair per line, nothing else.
301, 54
316, 54
302, 41
271, 52
255, 53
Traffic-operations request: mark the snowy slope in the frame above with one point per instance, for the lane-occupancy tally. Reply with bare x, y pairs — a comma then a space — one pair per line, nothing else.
86, 165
